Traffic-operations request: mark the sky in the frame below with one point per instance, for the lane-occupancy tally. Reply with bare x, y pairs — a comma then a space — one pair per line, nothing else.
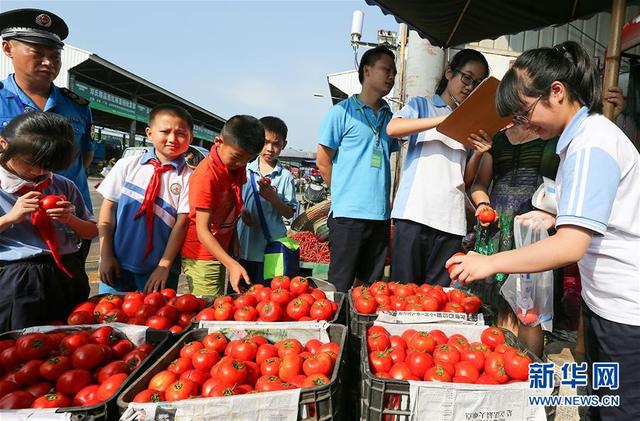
229, 57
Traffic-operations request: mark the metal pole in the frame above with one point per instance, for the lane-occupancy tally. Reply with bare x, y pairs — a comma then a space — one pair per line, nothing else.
612, 61
397, 162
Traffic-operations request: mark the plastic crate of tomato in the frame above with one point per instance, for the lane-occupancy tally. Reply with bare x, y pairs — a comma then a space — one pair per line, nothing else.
75, 370
285, 300
460, 370
215, 372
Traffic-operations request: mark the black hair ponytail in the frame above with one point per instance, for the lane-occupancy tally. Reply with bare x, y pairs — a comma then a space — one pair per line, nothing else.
535, 70
458, 61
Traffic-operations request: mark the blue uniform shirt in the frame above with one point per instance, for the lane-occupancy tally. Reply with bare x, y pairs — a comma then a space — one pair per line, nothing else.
252, 241
13, 102
361, 174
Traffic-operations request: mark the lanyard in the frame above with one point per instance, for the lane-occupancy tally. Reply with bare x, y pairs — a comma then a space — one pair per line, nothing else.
376, 130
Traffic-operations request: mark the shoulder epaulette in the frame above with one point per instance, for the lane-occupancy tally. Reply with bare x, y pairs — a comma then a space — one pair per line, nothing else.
74, 97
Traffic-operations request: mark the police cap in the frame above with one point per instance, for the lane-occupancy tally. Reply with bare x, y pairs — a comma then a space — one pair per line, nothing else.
35, 26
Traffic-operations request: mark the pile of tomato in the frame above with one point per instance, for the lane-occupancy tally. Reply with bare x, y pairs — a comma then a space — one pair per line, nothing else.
215, 366
157, 310
63, 369
311, 248
285, 300
392, 296
434, 356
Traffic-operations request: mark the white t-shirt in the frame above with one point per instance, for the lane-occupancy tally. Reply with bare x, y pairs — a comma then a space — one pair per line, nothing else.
431, 190
598, 187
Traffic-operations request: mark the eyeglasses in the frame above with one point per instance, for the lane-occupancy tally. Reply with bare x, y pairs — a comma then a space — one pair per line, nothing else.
468, 80
525, 116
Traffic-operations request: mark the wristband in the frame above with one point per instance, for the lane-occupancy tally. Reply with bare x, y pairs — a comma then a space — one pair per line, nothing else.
483, 204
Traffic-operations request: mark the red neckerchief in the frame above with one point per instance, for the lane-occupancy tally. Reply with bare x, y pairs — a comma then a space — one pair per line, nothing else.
44, 226
150, 196
236, 178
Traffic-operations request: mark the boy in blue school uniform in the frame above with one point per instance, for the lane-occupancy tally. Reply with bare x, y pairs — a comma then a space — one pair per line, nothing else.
42, 276
144, 216
276, 188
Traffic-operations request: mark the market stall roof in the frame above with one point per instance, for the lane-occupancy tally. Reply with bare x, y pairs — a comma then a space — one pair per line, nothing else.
290, 153
448, 23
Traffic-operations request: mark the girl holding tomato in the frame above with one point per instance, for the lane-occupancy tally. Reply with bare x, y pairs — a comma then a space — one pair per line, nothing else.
43, 217
556, 91
429, 207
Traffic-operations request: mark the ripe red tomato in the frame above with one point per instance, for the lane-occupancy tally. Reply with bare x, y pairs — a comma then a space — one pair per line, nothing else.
243, 350
145, 311
29, 373
446, 353
204, 314
80, 318
33, 346
467, 369
149, 395
484, 378
204, 359
290, 366
318, 294
54, 367
437, 374
7, 386
528, 318
50, 201
472, 305
422, 341
516, 364
299, 285
87, 306
289, 346
39, 389
365, 304
232, 371
494, 367
187, 303
104, 335
16, 400
315, 380
419, 362
72, 342
156, 299
455, 295
101, 309
270, 366
168, 293
246, 314
70, 382
135, 358
51, 400
458, 341
282, 282
322, 309
270, 311
215, 342
378, 342
223, 311
114, 367
170, 312
180, 365
298, 308
86, 396
190, 348
320, 363
281, 296
111, 385
162, 380
492, 337
158, 322
196, 376
487, 215
132, 305
122, 348
380, 361
474, 356
245, 300
88, 356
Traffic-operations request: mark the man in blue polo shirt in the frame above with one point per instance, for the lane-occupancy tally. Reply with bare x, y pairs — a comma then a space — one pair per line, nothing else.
353, 158
32, 39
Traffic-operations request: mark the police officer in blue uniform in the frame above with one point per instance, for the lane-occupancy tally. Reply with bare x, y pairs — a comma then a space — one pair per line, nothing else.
32, 39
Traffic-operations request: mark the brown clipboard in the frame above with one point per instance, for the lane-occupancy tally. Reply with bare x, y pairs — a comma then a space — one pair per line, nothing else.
477, 111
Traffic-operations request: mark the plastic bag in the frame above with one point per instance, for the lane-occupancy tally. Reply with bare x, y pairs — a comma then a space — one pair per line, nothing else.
530, 295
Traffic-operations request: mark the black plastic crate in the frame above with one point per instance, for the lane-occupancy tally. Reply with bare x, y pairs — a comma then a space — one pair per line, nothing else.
108, 410
384, 398
321, 403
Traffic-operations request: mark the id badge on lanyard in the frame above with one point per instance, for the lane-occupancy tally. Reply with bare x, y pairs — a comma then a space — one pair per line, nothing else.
376, 150
376, 155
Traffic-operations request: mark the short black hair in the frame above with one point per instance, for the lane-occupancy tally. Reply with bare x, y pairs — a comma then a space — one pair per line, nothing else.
245, 131
275, 125
172, 110
45, 140
370, 57
535, 70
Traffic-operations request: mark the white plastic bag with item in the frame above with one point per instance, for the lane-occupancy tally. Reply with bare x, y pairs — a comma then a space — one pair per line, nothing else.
530, 295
